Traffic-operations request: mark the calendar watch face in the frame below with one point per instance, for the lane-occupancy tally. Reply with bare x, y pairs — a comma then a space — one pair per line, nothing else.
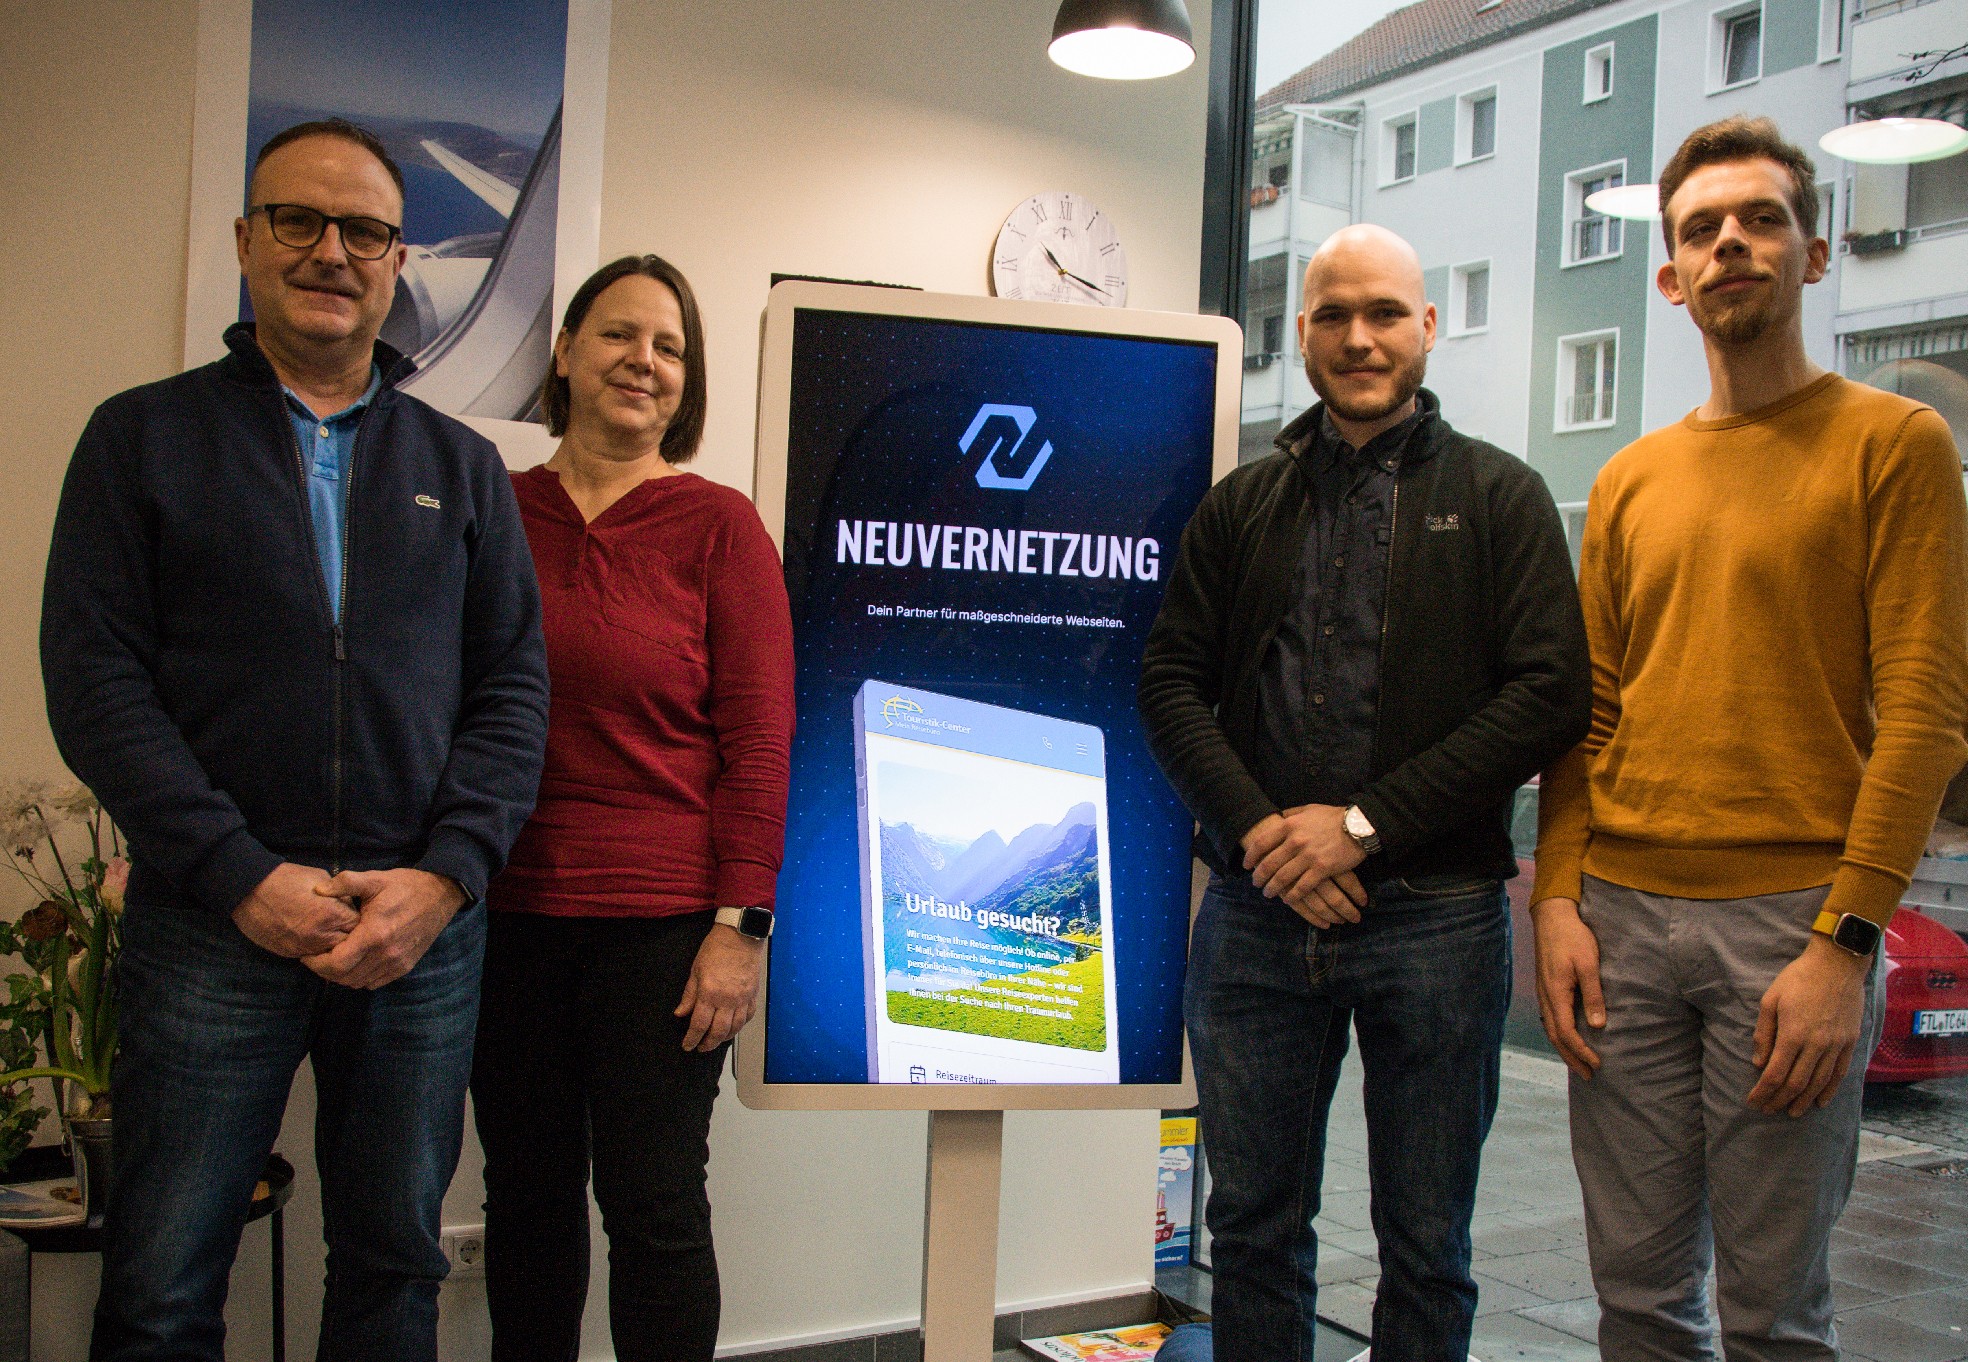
1058, 248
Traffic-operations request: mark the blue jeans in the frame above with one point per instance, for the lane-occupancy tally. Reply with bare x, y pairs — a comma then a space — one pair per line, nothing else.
213, 1030
1424, 978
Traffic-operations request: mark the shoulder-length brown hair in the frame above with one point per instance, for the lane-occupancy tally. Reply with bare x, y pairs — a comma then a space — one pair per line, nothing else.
686, 429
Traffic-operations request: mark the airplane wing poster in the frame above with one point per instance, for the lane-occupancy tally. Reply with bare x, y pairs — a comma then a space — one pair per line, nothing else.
472, 100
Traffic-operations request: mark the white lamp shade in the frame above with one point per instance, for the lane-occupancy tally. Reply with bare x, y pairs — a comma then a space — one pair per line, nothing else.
1641, 202
1895, 141
1121, 53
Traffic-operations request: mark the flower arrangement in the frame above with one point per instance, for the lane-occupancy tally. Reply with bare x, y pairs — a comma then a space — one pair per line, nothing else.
65, 999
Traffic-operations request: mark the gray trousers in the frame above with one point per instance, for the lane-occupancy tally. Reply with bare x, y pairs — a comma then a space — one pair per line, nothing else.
1679, 1174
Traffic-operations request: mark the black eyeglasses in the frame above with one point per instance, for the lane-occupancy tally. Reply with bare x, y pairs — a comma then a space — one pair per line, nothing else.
299, 226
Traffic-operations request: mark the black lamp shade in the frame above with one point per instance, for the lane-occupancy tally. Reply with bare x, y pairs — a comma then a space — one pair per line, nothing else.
1170, 17
1123, 39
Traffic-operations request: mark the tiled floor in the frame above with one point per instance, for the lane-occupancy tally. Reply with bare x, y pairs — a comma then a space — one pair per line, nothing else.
1899, 1259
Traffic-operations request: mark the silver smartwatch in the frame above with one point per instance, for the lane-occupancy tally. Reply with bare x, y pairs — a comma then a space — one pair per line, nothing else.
1357, 826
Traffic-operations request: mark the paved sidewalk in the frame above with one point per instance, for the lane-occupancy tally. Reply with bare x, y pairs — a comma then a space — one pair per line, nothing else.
1899, 1255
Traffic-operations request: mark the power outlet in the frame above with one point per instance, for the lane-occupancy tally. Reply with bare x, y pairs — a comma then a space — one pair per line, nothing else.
464, 1245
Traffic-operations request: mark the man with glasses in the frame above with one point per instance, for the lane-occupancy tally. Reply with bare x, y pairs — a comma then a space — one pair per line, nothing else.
291, 637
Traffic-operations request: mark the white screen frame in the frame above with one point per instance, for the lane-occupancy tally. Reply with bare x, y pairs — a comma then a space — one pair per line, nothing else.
769, 494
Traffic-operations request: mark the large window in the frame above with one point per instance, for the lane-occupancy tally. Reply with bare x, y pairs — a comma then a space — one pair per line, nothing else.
1736, 47
1589, 234
1588, 380
1476, 131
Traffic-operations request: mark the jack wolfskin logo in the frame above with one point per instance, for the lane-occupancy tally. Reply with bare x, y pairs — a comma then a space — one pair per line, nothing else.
1442, 522
1002, 468
423, 500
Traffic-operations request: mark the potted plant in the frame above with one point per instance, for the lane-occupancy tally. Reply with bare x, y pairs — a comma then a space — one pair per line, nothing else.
66, 996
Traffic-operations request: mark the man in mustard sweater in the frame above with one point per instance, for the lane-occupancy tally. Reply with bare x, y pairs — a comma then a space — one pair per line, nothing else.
1774, 595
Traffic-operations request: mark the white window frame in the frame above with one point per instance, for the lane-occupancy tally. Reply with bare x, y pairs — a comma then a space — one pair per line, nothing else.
1458, 297
1601, 58
1264, 324
1575, 211
1831, 30
1567, 380
1466, 125
1390, 135
1720, 21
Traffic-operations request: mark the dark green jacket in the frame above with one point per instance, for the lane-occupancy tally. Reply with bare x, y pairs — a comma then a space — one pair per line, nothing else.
1484, 673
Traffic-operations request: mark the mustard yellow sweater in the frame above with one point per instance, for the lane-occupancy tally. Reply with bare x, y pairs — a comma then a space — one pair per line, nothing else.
1777, 605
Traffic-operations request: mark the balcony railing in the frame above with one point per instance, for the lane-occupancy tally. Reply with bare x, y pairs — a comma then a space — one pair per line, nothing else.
1590, 408
1899, 238
1595, 237
1875, 9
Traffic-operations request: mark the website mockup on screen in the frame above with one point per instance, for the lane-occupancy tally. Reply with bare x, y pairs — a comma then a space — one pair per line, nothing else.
985, 892
987, 879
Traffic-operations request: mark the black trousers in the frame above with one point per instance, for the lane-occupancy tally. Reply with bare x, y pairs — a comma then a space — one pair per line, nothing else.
580, 1064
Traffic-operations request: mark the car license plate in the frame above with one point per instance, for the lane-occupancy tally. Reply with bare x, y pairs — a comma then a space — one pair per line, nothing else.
1952, 1022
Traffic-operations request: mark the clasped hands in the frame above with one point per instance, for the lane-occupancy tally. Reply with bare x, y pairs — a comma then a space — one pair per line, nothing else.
1304, 857
359, 929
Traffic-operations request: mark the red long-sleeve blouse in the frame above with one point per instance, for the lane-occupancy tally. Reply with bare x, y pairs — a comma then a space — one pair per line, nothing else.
670, 648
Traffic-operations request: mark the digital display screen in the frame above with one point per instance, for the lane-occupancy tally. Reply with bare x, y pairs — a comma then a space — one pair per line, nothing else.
987, 879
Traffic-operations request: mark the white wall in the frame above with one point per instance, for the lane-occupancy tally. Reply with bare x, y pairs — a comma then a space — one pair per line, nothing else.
876, 139
1485, 210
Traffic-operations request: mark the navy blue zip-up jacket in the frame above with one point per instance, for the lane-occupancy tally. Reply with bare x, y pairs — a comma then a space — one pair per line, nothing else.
196, 679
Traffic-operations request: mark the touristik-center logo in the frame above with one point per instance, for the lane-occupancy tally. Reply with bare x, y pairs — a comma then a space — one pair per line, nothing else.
1002, 430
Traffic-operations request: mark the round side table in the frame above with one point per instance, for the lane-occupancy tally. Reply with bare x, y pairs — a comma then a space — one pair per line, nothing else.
270, 1198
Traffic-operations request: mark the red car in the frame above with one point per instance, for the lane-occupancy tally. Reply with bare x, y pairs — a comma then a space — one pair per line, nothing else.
1926, 1031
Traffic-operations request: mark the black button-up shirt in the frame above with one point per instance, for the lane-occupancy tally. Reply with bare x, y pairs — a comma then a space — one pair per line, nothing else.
1319, 685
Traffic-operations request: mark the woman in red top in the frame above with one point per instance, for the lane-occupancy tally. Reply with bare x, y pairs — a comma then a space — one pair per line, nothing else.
613, 984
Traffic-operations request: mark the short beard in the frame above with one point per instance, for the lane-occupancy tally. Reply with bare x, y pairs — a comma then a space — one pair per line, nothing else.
1737, 326
1407, 382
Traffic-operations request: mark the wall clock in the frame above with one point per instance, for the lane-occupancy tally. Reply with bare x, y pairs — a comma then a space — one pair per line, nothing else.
1058, 248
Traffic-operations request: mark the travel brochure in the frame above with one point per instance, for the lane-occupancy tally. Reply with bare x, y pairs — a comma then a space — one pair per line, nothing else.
1129, 1344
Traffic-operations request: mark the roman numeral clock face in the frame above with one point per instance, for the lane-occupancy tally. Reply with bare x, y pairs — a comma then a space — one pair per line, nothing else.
1058, 248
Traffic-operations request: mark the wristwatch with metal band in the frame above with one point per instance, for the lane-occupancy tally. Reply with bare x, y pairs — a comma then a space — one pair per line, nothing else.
753, 922
1356, 825
1849, 931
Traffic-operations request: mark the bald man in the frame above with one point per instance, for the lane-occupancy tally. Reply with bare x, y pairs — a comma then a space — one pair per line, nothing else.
1370, 639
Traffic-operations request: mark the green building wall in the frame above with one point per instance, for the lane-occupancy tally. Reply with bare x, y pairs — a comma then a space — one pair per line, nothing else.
1602, 294
1435, 136
1790, 35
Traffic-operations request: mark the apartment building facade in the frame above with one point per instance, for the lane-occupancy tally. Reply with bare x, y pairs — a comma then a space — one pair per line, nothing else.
1477, 130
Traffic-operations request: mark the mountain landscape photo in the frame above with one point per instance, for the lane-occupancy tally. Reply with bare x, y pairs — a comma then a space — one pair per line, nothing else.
954, 963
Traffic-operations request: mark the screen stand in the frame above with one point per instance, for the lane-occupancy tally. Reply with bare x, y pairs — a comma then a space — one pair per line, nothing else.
960, 1235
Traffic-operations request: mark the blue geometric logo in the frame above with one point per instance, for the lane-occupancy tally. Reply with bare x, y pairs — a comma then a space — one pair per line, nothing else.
1002, 468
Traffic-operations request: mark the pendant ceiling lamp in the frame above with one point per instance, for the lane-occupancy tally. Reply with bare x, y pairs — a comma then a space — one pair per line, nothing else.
1895, 141
1640, 202
1123, 39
